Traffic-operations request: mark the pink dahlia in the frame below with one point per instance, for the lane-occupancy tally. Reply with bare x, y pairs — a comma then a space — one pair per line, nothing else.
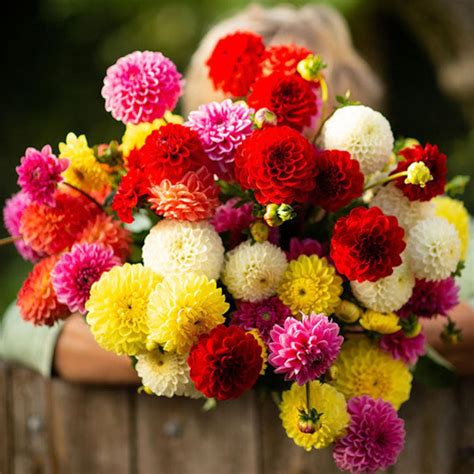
304, 350
222, 127
12, 212
307, 247
141, 87
431, 298
374, 437
39, 174
401, 347
77, 270
262, 315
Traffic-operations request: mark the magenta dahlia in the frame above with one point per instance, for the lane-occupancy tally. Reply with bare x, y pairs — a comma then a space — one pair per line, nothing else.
374, 438
39, 174
141, 87
431, 298
401, 347
306, 247
304, 350
76, 271
262, 315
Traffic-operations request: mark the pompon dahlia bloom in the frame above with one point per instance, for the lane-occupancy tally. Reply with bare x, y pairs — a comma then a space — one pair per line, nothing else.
431, 298
235, 62
37, 299
141, 87
261, 315
383, 323
374, 438
117, 308
225, 363
233, 219
310, 285
183, 307
282, 58
393, 202
434, 249
253, 271
363, 132
222, 127
330, 405
39, 174
178, 247
338, 180
12, 214
166, 374
362, 368
292, 99
434, 160
76, 271
50, 230
278, 163
304, 350
306, 247
193, 198
367, 244
402, 347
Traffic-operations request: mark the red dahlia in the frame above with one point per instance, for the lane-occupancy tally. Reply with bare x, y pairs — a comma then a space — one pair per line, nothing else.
235, 62
278, 163
282, 58
434, 160
338, 180
291, 98
366, 244
225, 363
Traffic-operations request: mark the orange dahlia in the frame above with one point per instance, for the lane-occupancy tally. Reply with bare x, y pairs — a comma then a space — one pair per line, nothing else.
37, 299
193, 198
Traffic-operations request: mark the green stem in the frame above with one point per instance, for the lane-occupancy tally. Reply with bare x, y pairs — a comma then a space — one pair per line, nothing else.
386, 180
308, 397
84, 194
9, 240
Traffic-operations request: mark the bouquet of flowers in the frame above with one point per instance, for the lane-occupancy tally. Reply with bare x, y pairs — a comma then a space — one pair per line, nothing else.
262, 241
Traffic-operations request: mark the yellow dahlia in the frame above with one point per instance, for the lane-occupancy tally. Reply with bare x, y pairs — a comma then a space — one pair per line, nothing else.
310, 285
183, 307
117, 308
364, 369
328, 402
454, 211
383, 323
84, 171
256, 334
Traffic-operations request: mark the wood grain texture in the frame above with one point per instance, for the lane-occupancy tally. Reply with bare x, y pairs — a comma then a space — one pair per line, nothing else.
5, 422
465, 450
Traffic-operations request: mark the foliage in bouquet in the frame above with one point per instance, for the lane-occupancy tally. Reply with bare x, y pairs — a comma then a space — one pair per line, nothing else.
262, 241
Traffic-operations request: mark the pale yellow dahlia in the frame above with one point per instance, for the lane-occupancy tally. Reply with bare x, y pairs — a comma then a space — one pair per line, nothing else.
328, 402
181, 308
362, 368
310, 284
383, 323
117, 308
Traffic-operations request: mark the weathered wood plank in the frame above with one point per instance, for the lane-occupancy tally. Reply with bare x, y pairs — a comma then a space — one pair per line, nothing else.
5, 425
176, 437
465, 452
91, 429
30, 417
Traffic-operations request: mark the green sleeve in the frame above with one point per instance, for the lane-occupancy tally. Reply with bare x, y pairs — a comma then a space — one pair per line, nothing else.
31, 346
466, 281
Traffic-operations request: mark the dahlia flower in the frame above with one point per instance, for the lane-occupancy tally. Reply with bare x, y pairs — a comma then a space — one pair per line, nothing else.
141, 87
258, 337
383, 323
304, 350
282, 58
39, 174
434, 249
178, 247
374, 438
76, 271
117, 308
181, 308
330, 405
362, 368
253, 271
306, 247
402, 347
310, 285
363, 132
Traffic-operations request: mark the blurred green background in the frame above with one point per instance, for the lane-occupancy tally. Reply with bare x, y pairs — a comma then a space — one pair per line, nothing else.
55, 53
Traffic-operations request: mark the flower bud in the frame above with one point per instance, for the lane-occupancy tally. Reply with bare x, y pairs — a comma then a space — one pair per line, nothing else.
264, 116
348, 312
451, 333
271, 216
410, 326
286, 212
259, 231
310, 67
309, 422
419, 174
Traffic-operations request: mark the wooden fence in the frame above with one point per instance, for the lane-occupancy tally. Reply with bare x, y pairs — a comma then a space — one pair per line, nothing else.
56, 427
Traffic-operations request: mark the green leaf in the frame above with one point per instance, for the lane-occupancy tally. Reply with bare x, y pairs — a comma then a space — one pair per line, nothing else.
344, 100
458, 272
434, 370
457, 185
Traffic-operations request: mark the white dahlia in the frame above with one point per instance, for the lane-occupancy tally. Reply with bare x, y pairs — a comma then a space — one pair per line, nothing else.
176, 247
166, 374
393, 202
387, 294
363, 132
434, 249
253, 271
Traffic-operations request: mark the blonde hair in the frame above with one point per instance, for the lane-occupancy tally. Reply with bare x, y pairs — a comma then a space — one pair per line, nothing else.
319, 28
